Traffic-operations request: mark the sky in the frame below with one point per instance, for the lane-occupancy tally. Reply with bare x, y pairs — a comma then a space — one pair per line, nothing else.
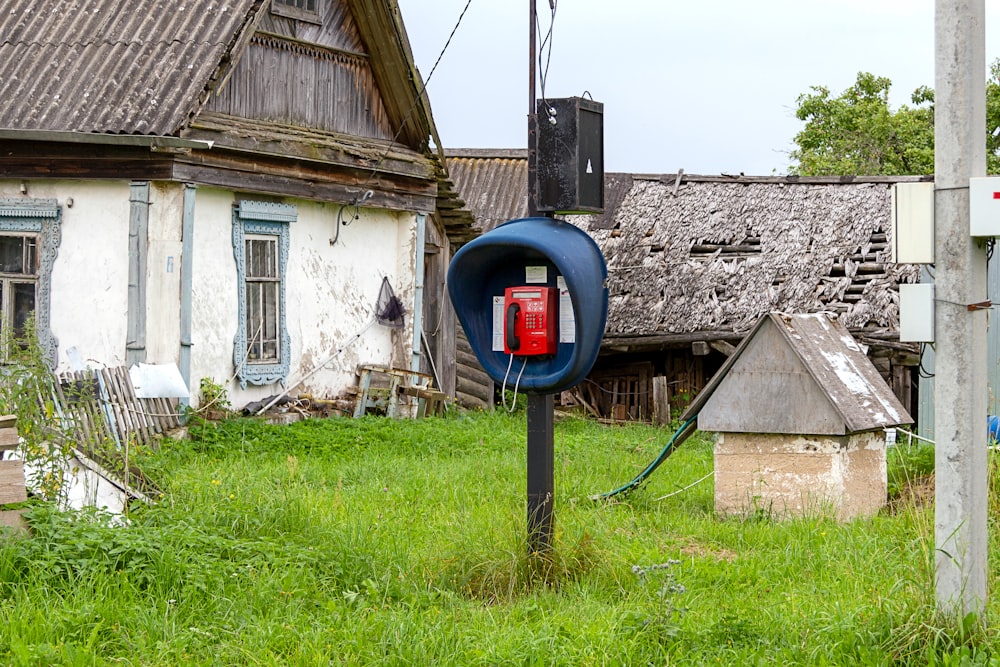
707, 86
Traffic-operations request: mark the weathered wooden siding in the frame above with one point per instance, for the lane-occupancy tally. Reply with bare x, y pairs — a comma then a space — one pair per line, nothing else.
336, 30
438, 347
473, 387
285, 81
768, 390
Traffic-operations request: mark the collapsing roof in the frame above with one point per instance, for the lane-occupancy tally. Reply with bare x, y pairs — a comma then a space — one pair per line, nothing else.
797, 374
712, 254
716, 255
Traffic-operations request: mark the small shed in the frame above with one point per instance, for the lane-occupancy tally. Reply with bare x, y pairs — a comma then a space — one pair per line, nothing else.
801, 413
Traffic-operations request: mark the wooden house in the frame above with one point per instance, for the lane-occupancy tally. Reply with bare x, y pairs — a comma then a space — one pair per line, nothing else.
695, 261
800, 412
224, 185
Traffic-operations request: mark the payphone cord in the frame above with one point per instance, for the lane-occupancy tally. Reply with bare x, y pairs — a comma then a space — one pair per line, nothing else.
679, 436
503, 389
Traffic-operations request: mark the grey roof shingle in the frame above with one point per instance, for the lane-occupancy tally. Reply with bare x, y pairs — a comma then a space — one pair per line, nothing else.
138, 67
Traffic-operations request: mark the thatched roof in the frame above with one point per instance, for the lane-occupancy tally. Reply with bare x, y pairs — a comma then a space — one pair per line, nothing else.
712, 254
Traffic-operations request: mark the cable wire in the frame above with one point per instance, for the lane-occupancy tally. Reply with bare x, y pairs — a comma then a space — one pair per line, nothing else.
679, 435
419, 96
517, 384
543, 69
689, 486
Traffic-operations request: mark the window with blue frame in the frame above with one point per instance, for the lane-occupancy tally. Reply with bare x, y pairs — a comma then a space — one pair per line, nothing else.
260, 247
30, 235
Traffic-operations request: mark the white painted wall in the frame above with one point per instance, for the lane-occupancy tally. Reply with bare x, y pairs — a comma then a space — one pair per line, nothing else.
330, 294
331, 290
90, 275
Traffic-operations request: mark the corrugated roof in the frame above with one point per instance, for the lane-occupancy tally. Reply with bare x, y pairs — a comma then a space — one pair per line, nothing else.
493, 183
137, 67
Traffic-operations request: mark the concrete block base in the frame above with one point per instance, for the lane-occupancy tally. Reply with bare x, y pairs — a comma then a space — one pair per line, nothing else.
800, 475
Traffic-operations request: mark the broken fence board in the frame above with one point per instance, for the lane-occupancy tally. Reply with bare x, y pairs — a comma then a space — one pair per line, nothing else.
9, 438
12, 482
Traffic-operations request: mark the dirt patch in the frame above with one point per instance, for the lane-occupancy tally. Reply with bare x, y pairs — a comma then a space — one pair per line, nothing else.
916, 494
696, 550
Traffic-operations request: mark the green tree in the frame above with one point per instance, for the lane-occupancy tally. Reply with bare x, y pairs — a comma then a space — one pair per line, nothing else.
858, 133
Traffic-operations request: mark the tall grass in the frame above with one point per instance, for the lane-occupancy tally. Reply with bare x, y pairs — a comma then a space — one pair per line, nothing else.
379, 542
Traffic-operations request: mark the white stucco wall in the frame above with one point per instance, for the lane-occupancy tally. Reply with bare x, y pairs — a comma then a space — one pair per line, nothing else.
331, 290
90, 276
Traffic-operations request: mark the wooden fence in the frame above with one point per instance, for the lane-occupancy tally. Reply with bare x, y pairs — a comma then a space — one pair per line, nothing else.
102, 406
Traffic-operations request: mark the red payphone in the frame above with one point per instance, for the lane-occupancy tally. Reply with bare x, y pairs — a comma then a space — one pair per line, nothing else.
531, 321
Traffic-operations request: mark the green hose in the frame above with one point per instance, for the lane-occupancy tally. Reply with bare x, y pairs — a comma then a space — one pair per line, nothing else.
676, 439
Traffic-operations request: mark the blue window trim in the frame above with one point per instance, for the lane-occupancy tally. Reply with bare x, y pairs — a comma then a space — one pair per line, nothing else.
261, 218
42, 217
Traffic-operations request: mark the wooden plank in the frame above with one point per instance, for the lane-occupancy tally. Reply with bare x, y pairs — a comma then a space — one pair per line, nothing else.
132, 406
121, 423
9, 439
65, 406
8, 421
722, 346
12, 482
96, 413
661, 400
243, 177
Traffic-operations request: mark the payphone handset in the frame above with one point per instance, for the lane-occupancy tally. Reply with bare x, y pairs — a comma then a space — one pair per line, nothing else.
531, 321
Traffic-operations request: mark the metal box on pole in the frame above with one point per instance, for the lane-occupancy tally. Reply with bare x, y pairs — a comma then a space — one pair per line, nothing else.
570, 149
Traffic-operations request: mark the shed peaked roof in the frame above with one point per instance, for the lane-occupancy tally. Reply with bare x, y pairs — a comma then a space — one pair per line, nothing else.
854, 397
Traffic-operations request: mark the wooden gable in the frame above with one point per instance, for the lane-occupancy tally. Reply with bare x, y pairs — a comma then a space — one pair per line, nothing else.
769, 390
797, 374
310, 75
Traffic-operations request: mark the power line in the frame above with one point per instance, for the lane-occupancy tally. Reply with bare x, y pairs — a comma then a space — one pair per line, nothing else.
419, 96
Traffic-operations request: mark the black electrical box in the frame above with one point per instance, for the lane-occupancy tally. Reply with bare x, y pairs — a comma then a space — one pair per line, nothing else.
570, 155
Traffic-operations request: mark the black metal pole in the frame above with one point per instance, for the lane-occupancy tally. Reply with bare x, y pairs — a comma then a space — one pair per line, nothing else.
532, 120
540, 471
541, 432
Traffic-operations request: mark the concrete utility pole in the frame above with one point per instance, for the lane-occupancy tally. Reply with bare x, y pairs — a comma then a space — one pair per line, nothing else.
960, 330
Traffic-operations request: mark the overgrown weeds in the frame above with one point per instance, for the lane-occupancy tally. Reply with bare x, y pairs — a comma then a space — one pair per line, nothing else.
384, 542
27, 386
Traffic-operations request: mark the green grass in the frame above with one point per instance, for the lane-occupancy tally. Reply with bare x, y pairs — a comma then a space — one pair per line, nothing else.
378, 542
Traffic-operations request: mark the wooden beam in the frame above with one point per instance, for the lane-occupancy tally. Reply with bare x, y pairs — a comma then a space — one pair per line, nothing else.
9, 439
725, 347
661, 400
239, 178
